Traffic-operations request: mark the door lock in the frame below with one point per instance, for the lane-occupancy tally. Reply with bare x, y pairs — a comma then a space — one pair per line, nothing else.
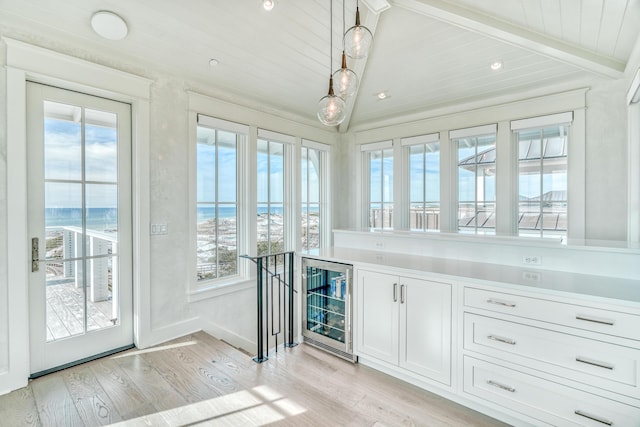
35, 254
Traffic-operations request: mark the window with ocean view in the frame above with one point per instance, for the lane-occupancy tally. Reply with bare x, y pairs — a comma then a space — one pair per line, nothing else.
270, 197
312, 170
217, 203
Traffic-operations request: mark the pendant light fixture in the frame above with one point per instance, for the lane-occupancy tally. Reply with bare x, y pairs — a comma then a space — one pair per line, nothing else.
357, 39
345, 78
331, 108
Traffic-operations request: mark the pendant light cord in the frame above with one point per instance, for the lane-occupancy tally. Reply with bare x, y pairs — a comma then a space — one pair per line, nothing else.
331, 39
343, 27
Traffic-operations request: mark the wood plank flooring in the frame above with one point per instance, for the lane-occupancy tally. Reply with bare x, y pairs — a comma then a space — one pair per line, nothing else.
198, 380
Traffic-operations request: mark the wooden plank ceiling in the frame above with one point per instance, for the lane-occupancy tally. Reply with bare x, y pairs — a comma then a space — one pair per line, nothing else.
427, 54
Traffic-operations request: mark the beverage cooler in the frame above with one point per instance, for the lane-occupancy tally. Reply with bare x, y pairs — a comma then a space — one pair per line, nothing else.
327, 306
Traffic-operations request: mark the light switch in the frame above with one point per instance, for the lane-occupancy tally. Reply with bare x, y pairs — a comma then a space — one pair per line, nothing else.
159, 229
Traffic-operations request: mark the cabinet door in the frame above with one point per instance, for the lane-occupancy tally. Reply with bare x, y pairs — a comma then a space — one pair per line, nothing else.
425, 325
378, 315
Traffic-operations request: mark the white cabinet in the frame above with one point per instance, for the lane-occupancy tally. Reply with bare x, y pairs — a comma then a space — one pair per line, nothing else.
405, 322
378, 316
567, 362
546, 402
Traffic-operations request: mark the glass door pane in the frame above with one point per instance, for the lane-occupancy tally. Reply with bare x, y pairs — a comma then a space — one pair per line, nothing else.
81, 219
325, 299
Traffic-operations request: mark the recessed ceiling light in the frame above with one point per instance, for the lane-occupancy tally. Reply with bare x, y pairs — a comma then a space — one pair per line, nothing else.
109, 25
213, 62
496, 65
382, 95
268, 4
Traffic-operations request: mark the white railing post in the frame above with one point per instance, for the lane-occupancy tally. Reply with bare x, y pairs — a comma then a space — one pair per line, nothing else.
78, 249
115, 286
99, 269
69, 251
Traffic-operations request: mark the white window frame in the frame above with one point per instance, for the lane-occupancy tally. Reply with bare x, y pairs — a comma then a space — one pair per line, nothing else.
201, 288
539, 123
242, 132
406, 144
289, 207
324, 224
366, 150
472, 132
500, 116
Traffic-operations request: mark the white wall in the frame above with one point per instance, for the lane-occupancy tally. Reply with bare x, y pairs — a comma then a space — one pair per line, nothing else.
169, 201
606, 161
4, 321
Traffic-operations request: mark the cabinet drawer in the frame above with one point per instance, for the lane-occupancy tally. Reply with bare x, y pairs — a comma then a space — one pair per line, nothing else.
543, 400
601, 364
572, 315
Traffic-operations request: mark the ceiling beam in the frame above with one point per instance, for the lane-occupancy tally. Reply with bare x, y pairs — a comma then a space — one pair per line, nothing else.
377, 6
515, 35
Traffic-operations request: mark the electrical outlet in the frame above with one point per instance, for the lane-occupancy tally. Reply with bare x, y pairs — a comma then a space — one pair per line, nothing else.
531, 260
531, 276
379, 244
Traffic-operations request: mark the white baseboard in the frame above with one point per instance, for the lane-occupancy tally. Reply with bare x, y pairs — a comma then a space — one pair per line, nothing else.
10, 382
228, 336
169, 332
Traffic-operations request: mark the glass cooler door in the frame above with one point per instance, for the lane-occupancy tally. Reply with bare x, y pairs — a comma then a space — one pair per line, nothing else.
327, 304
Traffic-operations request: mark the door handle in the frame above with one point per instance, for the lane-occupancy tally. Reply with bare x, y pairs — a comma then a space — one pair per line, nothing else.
401, 294
35, 254
395, 292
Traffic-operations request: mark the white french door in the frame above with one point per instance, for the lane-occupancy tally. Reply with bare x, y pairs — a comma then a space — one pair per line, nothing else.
79, 222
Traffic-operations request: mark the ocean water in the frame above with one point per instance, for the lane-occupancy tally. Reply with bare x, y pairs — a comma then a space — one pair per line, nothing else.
205, 213
97, 218
107, 218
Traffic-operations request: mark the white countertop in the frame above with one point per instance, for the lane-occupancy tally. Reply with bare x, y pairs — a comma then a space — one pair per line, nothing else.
625, 291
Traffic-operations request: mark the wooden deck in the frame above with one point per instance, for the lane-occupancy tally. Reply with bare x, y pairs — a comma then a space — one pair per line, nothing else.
199, 380
65, 311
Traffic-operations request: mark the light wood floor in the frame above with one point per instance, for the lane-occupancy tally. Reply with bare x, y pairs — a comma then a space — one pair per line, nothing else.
199, 380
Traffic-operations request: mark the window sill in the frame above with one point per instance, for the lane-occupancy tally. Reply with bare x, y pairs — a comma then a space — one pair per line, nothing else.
216, 288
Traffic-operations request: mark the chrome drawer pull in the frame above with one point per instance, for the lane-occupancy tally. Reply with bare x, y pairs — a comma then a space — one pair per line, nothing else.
595, 319
502, 386
593, 417
500, 339
593, 362
499, 302
395, 292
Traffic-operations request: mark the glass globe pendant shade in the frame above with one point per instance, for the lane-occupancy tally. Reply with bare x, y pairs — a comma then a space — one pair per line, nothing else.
331, 108
346, 80
357, 39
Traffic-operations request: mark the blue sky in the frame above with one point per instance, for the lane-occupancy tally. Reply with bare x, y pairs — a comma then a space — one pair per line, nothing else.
227, 165
63, 160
